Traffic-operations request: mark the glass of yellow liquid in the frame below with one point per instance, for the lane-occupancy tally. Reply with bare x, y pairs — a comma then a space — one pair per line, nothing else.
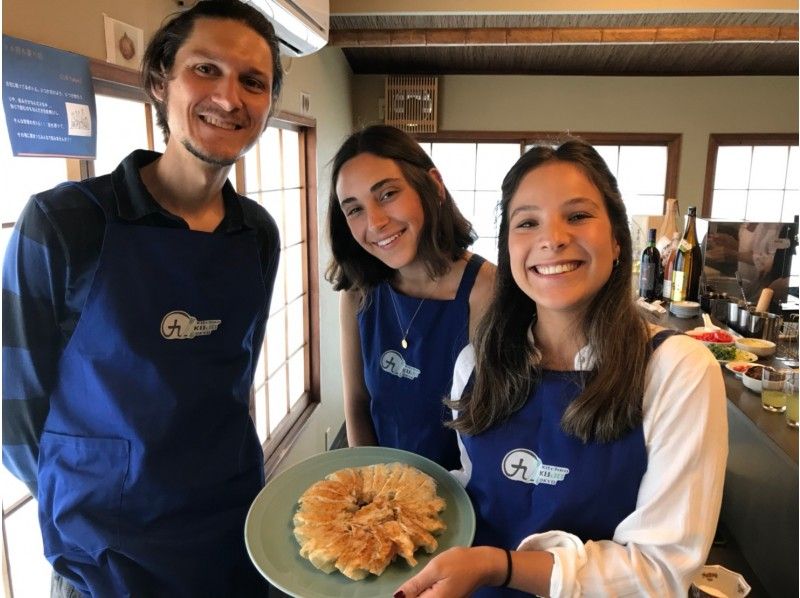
791, 388
773, 396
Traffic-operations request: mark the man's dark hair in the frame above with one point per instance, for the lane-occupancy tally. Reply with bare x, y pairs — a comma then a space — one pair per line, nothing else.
159, 58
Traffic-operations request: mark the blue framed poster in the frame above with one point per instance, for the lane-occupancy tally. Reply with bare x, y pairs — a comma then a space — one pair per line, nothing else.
48, 100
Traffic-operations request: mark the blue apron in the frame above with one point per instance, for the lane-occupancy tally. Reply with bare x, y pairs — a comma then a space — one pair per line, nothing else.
149, 459
407, 386
529, 477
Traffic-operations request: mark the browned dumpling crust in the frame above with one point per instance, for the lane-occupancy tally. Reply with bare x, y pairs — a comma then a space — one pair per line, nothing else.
358, 519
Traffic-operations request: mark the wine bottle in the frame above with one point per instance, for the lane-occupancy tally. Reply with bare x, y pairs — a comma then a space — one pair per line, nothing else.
650, 269
688, 263
672, 249
666, 230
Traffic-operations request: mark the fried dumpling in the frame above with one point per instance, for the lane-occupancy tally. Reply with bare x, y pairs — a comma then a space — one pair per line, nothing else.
358, 519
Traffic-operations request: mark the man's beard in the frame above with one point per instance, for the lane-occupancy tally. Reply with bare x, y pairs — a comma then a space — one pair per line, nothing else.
208, 158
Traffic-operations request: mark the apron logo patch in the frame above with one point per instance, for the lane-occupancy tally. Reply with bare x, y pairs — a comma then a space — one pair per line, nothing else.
178, 325
393, 363
525, 466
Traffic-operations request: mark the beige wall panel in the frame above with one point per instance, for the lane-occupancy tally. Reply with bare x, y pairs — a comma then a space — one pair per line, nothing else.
692, 106
77, 25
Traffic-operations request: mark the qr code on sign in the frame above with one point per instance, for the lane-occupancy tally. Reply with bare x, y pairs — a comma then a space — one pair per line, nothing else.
79, 119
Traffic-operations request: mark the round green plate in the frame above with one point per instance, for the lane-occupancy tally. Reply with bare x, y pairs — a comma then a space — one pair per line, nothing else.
269, 531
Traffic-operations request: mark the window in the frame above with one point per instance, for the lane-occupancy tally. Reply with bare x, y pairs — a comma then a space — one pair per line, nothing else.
276, 175
473, 166
473, 173
752, 177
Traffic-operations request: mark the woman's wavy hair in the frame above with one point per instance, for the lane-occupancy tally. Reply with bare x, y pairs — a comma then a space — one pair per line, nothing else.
508, 361
445, 233
159, 57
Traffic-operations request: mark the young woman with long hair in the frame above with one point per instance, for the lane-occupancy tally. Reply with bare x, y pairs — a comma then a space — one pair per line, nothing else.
411, 291
593, 443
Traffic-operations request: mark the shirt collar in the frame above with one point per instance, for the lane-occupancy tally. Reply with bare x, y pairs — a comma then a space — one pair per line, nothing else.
134, 202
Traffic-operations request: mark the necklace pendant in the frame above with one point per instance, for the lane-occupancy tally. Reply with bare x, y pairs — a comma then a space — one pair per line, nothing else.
403, 343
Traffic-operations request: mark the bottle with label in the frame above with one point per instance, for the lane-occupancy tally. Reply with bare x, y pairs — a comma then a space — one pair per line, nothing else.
671, 250
650, 269
688, 263
667, 229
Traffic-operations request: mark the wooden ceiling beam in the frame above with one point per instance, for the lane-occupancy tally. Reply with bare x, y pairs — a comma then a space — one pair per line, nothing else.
536, 36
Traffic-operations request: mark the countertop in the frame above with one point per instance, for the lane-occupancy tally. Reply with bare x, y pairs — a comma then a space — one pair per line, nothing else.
772, 425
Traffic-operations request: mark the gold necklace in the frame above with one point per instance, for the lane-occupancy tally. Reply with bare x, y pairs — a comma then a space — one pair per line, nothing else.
404, 333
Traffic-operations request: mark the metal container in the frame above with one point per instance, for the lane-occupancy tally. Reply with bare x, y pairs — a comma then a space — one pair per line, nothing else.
733, 312
744, 316
718, 306
761, 324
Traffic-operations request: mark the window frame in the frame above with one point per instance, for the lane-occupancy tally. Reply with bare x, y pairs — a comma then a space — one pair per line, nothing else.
717, 140
283, 437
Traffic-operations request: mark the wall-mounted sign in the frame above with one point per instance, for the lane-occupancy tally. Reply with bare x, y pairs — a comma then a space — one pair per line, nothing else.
48, 101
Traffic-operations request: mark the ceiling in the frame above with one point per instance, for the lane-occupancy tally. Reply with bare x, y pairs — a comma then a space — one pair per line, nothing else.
690, 43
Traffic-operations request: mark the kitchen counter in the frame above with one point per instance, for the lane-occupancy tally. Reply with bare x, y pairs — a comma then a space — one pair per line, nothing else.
760, 501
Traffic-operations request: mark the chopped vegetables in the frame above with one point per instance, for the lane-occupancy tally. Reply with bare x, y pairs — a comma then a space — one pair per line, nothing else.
723, 352
716, 336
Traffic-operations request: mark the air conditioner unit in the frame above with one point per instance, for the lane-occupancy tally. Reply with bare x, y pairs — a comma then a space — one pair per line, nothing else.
301, 25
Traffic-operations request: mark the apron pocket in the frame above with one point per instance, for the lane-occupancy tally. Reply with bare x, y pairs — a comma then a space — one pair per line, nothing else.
80, 492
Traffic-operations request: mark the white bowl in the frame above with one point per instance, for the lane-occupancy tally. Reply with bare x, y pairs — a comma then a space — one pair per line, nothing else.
685, 309
737, 367
754, 384
717, 581
759, 346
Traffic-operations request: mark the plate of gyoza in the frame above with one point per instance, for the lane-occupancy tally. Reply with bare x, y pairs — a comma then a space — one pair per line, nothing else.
355, 522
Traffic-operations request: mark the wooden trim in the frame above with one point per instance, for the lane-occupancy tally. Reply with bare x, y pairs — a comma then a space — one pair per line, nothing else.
536, 36
715, 140
532, 136
312, 246
150, 126
4, 564
708, 183
284, 436
117, 81
673, 167
755, 138
291, 120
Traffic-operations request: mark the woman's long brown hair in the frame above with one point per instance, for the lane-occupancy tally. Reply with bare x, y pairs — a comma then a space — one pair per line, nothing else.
508, 363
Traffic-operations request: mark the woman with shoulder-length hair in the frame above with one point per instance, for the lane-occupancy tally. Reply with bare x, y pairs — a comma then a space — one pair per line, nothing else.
594, 443
411, 292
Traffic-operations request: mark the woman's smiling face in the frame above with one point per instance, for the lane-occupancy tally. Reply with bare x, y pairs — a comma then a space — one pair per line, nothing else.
560, 241
384, 212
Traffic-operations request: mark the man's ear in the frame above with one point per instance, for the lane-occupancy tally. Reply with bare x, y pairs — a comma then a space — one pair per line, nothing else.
159, 86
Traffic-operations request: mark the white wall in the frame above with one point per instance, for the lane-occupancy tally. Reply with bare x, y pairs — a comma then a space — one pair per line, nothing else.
692, 106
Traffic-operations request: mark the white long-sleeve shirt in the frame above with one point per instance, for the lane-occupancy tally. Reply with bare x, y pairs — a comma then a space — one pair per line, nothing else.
660, 546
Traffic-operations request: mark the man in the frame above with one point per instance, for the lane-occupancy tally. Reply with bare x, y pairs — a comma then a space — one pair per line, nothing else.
134, 309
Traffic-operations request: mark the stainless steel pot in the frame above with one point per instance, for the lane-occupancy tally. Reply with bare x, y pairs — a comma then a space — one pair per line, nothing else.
733, 312
744, 316
761, 324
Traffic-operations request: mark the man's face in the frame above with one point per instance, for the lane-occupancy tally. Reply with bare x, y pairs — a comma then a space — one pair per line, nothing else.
219, 92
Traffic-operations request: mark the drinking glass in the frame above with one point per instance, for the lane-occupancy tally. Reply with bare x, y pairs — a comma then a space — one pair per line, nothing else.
791, 387
773, 396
